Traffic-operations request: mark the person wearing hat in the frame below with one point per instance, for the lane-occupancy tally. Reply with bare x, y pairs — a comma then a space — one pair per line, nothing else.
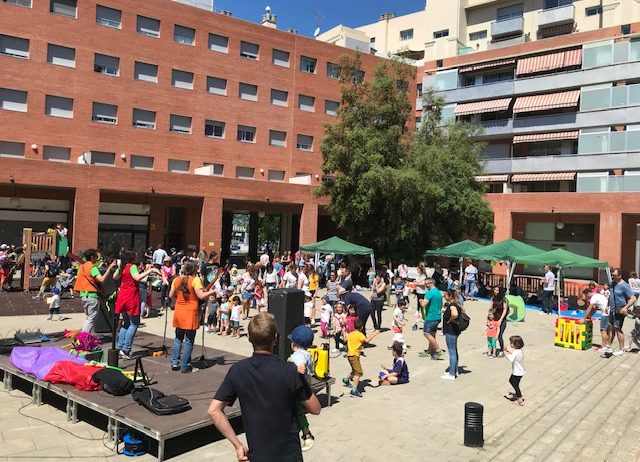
302, 338
167, 273
54, 304
363, 306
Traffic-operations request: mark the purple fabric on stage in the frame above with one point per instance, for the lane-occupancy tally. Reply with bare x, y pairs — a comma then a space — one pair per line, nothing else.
38, 361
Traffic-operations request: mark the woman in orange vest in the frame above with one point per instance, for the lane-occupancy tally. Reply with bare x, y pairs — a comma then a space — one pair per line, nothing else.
188, 290
88, 284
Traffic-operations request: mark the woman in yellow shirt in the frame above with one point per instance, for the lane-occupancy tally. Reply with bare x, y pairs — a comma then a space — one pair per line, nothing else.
313, 281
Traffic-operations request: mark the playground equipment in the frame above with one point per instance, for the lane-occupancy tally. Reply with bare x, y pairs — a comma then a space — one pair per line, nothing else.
37, 244
574, 333
517, 311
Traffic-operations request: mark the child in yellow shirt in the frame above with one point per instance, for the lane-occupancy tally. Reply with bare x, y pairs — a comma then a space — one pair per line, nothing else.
355, 340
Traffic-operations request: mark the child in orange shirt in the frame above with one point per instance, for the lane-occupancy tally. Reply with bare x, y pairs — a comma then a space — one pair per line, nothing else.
491, 330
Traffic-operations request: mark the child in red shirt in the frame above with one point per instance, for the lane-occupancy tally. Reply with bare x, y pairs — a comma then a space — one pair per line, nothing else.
491, 330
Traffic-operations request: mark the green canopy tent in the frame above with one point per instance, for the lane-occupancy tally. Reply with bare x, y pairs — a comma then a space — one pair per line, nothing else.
509, 250
561, 258
459, 250
336, 245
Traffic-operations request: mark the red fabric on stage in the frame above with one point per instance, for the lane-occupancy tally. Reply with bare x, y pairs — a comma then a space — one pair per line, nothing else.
75, 374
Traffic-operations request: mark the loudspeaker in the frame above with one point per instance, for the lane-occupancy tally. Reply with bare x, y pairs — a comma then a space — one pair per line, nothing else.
287, 307
104, 320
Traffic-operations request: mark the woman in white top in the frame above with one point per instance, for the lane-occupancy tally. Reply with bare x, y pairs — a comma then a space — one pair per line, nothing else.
290, 278
303, 279
270, 278
246, 289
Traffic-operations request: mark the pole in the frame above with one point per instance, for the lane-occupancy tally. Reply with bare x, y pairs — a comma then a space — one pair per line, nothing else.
510, 270
558, 287
609, 275
460, 261
373, 261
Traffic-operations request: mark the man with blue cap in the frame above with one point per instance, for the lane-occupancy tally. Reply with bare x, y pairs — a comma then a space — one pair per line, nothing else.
302, 338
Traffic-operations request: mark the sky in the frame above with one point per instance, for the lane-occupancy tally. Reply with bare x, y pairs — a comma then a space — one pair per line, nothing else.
304, 15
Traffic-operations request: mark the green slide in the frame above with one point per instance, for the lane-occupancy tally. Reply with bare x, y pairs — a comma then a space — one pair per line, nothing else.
517, 310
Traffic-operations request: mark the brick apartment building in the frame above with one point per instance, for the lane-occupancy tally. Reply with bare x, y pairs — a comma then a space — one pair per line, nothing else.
137, 123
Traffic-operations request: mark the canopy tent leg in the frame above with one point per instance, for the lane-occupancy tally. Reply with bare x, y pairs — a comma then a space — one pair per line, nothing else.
609, 275
558, 288
373, 261
460, 261
316, 261
510, 270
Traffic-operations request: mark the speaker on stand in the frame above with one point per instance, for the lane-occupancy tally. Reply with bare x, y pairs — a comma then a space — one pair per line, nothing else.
287, 307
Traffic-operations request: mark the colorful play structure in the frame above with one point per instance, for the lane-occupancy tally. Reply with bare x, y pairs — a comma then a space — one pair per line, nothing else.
574, 333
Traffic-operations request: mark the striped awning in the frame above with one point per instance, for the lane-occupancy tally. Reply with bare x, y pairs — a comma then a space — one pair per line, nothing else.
527, 177
548, 101
478, 107
481, 66
549, 62
490, 178
545, 137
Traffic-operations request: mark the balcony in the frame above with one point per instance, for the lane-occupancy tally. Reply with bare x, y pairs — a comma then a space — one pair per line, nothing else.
478, 92
624, 183
556, 16
565, 163
507, 27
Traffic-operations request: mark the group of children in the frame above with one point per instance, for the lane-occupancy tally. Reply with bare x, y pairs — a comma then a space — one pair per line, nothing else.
223, 317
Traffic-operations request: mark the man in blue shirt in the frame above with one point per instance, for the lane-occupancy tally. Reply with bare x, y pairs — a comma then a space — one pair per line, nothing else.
621, 300
432, 314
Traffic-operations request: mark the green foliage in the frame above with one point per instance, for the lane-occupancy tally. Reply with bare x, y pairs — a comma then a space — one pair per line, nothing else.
392, 191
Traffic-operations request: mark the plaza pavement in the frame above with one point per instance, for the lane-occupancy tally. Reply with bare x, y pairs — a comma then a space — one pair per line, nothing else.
578, 406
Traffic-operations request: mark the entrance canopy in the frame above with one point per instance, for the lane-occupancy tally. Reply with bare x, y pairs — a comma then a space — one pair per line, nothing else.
510, 250
456, 250
562, 258
336, 245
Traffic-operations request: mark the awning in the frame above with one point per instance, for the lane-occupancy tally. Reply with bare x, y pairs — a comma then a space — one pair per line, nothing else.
490, 178
545, 137
477, 107
492, 65
548, 101
549, 62
527, 177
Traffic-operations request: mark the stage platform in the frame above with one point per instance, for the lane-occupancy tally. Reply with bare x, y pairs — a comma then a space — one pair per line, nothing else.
123, 412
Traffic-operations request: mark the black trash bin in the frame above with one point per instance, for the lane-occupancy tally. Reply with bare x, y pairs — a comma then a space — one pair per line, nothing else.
473, 427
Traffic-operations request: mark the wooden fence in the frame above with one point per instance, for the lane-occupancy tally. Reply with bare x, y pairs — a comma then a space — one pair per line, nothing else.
35, 243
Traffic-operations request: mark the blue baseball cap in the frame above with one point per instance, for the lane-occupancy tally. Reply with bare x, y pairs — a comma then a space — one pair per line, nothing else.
55, 290
301, 335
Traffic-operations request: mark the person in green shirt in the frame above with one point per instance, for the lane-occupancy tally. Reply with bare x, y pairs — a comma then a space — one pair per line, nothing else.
432, 314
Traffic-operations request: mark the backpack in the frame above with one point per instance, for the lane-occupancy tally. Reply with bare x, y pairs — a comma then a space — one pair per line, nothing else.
463, 320
113, 381
54, 270
159, 403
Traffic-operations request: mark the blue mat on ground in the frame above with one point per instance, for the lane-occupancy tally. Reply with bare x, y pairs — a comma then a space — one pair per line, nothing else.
571, 313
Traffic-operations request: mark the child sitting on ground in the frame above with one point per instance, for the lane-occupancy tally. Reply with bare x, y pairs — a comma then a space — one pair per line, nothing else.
212, 313
223, 316
301, 338
236, 309
355, 341
350, 320
326, 313
399, 372
491, 331
54, 305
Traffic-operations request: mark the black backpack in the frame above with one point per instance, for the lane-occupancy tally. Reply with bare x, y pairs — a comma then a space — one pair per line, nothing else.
54, 270
159, 403
463, 320
113, 381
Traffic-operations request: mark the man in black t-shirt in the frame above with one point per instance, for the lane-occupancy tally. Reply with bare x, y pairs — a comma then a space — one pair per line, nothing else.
268, 389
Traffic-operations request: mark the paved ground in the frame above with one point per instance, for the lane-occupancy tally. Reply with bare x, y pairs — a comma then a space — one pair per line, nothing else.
578, 406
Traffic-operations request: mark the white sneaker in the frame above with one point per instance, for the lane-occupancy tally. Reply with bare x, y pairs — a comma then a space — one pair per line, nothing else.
447, 376
335, 350
618, 353
541, 312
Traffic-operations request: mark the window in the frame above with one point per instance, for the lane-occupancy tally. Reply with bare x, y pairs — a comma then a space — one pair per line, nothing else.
277, 138
214, 129
219, 43
14, 46
184, 35
245, 172
625, 29
61, 56
305, 143
148, 26
548, 4
593, 11
57, 106
13, 100
331, 107
276, 175
56, 154
11, 149
182, 79
406, 34
25, 3
246, 134
308, 65
478, 35
144, 119
248, 91
64, 7
441, 33
333, 71
402, 85
140, 162
279, 98
105, 113
217, 86
358, 76
104, 159
280, 58
306, 103
108, 65
249, 50
109, 17
510, 12
218, 169
179, 124
497, 77
146, 72
178, 166
419, 89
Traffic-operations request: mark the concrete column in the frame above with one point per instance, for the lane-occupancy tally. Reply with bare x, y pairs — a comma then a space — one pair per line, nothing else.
610, 239
309, 224
86, 210
211, 224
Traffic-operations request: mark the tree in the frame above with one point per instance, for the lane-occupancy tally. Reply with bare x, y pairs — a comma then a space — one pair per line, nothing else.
392, 191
